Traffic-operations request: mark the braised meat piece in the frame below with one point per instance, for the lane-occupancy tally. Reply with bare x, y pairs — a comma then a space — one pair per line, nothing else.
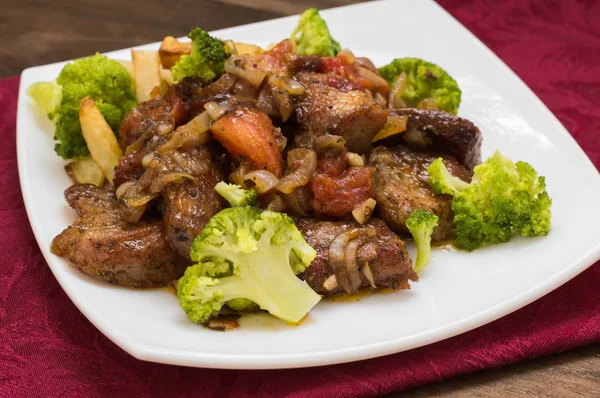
170, 110
433, 130
353, 115
102, 245
350, 257
191, 204
402, 185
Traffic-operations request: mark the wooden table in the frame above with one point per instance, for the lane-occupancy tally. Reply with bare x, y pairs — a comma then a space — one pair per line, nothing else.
36, 32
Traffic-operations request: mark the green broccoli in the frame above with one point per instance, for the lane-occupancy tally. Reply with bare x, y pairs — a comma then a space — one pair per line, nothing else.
246, 254
503, 198
424, 80
312, 36
206, 61
105, 80
442, 181
236, 195
421, 223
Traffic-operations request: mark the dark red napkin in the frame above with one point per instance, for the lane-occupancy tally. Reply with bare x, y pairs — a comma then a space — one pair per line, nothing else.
47, 347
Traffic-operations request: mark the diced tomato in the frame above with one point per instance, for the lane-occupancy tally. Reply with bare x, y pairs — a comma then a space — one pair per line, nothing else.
338, 196
249, 132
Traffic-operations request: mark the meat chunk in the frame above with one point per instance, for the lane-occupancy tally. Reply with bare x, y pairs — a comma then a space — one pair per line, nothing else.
381, 259
169, 110
353, 115
402, 185
102, 245
190, 205
433, 130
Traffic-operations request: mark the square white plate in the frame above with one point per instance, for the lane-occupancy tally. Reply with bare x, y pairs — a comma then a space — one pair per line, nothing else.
457, 291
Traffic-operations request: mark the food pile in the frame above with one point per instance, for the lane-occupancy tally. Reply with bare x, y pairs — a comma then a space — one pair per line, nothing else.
263, 179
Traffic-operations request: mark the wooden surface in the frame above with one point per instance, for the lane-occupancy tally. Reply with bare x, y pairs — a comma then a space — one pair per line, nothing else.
36, 32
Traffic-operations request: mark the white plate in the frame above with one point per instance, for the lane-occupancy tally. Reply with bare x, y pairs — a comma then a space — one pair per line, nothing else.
457, 291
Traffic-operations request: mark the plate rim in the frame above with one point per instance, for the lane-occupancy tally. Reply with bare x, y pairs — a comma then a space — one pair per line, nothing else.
336, 356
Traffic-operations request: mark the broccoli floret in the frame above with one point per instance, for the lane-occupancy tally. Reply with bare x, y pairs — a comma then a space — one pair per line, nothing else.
421, 223
105, 80
442, 181
424, 80
206, 60
312, 36
504, 198
245, 254
236, 195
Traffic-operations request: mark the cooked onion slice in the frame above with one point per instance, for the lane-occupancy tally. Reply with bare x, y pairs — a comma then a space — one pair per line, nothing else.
237, 66
394, 125
190, 135
302, 174
215, 110
276, 204
395, 99
291, 86
298, 202
427, 103
330, 283
355, 160
366, 271
347, 56
342, 257
159, 183
377, 81
362, 212
262, 180
133, 194
328, 141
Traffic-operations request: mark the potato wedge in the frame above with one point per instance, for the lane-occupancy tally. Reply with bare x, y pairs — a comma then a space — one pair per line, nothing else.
100, 139
146, 65
166, 77
85, 171
171, 50
129, 66
244, 48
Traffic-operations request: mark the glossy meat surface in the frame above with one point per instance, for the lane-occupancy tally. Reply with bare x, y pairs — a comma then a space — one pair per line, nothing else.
102, 245
327, 110
385, 254
433, 130
401, 186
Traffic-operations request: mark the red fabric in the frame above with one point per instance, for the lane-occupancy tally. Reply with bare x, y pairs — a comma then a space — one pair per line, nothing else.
47, 347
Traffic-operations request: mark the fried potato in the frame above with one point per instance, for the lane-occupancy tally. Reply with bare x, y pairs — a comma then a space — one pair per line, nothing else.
244, 48
166, 77
85, 171
171, 50
146, 65
129, 66
100, 139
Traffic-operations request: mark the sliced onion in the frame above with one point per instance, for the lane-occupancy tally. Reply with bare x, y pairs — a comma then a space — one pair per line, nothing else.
290, 86
298, 202
139, 143
394, 125
395, 99
124, 187
330, 283
276, 204
347, 56
235, 66
342, 257
132, 214
190, 135
374, 78
380, 99
328, 141
427, 103
366, 271
281, 140
363, 211
147, 159
355, 160
263, 180
240, 170
417, 138
301, 175
215, 110
159, 183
